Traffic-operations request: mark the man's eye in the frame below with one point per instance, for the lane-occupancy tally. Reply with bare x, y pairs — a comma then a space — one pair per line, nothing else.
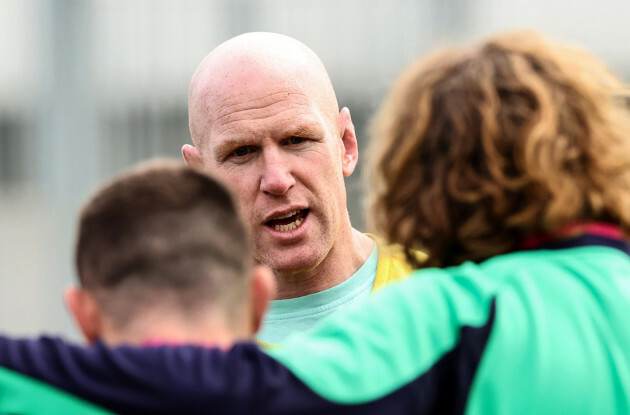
295, 140
241, 151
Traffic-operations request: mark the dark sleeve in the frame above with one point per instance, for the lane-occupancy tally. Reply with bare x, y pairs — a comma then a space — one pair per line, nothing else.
175, 380
149, 380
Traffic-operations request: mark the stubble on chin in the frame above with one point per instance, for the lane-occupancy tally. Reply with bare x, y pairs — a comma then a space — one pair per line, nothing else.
288, 264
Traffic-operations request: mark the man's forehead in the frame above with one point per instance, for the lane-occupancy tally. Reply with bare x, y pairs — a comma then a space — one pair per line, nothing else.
280, 119
252, 103
261, 97
238, 86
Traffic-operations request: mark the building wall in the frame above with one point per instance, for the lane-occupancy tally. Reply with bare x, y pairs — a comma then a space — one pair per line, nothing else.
89, 87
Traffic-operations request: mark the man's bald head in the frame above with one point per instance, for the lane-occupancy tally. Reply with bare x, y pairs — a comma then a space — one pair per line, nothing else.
264, 117
257, 64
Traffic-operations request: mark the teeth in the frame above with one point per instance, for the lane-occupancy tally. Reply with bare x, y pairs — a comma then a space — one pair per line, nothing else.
290, 226
286, 215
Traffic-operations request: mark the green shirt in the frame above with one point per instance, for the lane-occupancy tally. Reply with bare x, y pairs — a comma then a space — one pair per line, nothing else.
531, 332
24, 396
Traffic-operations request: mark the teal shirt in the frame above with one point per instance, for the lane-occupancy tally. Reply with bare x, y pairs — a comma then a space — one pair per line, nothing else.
23, 395
532, 332
298, 314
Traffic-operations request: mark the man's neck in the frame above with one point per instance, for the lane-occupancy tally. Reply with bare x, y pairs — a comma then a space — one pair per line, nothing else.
165, 329
346, 256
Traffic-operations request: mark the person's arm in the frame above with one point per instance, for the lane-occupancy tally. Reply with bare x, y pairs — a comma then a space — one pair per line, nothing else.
171, 380
160, 380
398, 353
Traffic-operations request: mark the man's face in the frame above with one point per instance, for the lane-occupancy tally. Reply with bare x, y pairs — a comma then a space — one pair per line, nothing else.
283, 156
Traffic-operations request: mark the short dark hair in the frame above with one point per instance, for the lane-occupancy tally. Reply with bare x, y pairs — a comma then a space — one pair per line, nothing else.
162, 228
477, 148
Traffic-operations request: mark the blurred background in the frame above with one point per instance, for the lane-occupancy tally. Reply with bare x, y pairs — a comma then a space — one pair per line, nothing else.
90, 87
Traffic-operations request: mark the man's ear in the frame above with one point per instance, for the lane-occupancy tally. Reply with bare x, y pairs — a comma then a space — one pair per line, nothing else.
85, 311
263, 290
350, 149
192, 156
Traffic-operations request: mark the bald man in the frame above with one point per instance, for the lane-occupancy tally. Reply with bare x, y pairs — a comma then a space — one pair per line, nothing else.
263, 115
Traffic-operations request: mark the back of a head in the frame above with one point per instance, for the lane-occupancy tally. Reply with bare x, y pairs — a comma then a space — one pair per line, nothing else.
162, 234
477, 148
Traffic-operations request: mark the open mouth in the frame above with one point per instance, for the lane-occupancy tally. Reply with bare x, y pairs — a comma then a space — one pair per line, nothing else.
288, 221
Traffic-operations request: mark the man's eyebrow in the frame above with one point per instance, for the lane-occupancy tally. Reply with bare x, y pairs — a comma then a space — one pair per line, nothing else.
304, 131
228, 145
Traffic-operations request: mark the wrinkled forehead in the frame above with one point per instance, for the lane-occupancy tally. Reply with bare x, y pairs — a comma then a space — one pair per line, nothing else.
236, 85
250, 88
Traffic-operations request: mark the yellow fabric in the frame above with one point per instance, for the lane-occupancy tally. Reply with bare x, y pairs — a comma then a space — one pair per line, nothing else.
392, 267
264, 345
392, 263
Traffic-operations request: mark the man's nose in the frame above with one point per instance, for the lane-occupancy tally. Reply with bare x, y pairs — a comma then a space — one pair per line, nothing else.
277, 178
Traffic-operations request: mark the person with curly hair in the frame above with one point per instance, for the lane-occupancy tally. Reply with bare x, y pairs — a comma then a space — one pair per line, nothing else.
478, 150
509, 163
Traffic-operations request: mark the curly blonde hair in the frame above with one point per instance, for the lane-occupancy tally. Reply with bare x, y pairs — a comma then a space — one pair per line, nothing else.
474, 149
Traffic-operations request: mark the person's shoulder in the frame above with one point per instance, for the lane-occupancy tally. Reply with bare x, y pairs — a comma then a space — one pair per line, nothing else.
264, 346
393, 264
